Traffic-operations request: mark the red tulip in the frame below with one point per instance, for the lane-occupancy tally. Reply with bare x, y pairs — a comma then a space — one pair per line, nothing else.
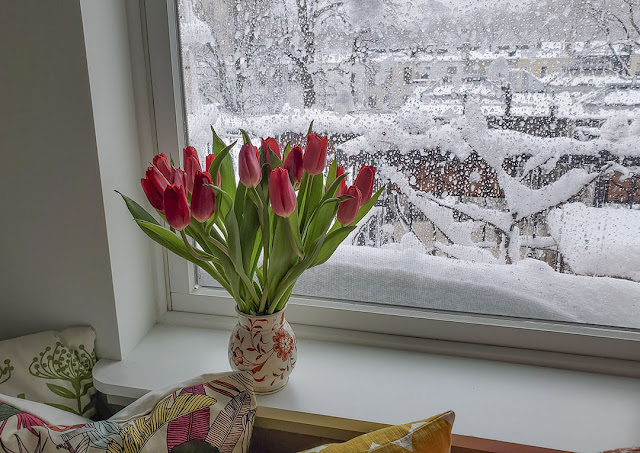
348, 209
152, 194
176, 208
203, 197
270, 144
191, 165
162, 163
154, 185
210, 159
180, 179
189, 151
315, 156
281, 193
343, 184
364, 182
249, 165
293, 163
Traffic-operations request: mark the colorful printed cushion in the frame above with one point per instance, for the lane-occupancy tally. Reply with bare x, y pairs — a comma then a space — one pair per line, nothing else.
432, 435
53, 368
210, 413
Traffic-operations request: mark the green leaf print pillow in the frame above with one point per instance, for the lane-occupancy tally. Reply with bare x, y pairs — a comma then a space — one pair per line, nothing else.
53, 368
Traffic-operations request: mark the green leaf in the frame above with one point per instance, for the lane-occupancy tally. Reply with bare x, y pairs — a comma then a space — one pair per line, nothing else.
245, 136
219, 192
217, 162
223, 164
320, 224
235, 252
313, 197
331, 243
63, 408
137, 211
285, 297
323, 216
294, 272
331, 175
249, 231
255, 253
227, 183
174, 244
218, 144
287, 150
310, 128
295, 232
234, 242
61, 391
300, 202
238, 203
333, 188
282, 257
227, 175
274, 160
21, 396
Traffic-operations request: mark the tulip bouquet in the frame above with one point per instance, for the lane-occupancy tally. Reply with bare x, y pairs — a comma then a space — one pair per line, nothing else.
257, 236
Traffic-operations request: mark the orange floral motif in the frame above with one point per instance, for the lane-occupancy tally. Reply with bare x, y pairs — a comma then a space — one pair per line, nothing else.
238, 356
283, 344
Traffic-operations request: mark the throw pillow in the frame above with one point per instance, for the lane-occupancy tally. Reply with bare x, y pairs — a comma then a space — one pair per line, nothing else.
209, 414
432, 435
53, 368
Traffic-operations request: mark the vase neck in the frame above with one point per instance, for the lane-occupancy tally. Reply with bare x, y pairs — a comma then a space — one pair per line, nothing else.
261, 323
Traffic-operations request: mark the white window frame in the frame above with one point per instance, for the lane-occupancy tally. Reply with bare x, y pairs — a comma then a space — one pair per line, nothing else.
565, 345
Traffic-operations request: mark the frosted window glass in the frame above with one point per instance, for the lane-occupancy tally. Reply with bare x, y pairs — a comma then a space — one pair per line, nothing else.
505, 132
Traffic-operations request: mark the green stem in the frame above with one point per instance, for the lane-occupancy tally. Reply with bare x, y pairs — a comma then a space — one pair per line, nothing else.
306, 197
193, 252
293, 240
211, 242
217, 274
223, 229
263, 213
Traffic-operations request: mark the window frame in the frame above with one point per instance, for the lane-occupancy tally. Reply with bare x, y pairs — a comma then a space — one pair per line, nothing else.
468, 331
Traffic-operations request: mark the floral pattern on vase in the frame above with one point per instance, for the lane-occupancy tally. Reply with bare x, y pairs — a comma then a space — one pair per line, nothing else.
266, 347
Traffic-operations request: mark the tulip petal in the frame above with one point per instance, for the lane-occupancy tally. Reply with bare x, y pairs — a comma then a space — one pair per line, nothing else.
176, 207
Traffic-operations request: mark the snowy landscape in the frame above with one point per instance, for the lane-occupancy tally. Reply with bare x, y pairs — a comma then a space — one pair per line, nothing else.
506, 136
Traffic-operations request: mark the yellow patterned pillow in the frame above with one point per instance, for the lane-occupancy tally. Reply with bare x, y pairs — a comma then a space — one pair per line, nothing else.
425, 436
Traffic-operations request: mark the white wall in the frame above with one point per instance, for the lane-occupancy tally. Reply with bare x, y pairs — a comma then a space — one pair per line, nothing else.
70, 254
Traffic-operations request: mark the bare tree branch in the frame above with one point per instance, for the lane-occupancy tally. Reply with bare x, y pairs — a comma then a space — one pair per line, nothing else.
323, 10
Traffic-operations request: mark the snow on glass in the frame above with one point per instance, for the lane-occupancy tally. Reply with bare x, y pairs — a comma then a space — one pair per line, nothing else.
506, 135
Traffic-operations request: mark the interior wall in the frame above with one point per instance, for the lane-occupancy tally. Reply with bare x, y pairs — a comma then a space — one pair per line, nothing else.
114, 110
70, 255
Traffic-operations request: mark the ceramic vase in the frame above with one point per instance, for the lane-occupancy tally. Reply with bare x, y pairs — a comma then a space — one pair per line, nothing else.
266, 347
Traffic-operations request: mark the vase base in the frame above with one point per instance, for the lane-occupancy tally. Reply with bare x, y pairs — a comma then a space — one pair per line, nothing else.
270, 391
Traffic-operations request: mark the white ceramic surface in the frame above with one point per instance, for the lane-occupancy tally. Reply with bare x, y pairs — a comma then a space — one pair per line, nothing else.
266, 347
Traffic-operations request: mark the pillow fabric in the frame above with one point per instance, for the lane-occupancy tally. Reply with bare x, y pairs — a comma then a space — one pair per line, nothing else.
53, 368
432, 435
211, 414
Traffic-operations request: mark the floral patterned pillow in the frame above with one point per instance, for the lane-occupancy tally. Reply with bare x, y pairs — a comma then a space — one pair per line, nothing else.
209, 414
53, 368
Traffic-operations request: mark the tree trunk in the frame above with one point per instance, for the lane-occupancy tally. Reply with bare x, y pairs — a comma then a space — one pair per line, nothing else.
308, 88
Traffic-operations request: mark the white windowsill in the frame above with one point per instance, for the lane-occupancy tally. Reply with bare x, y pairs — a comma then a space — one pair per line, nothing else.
545, 407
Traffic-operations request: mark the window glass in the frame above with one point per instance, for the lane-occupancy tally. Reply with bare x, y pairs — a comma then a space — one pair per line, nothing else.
506, 134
